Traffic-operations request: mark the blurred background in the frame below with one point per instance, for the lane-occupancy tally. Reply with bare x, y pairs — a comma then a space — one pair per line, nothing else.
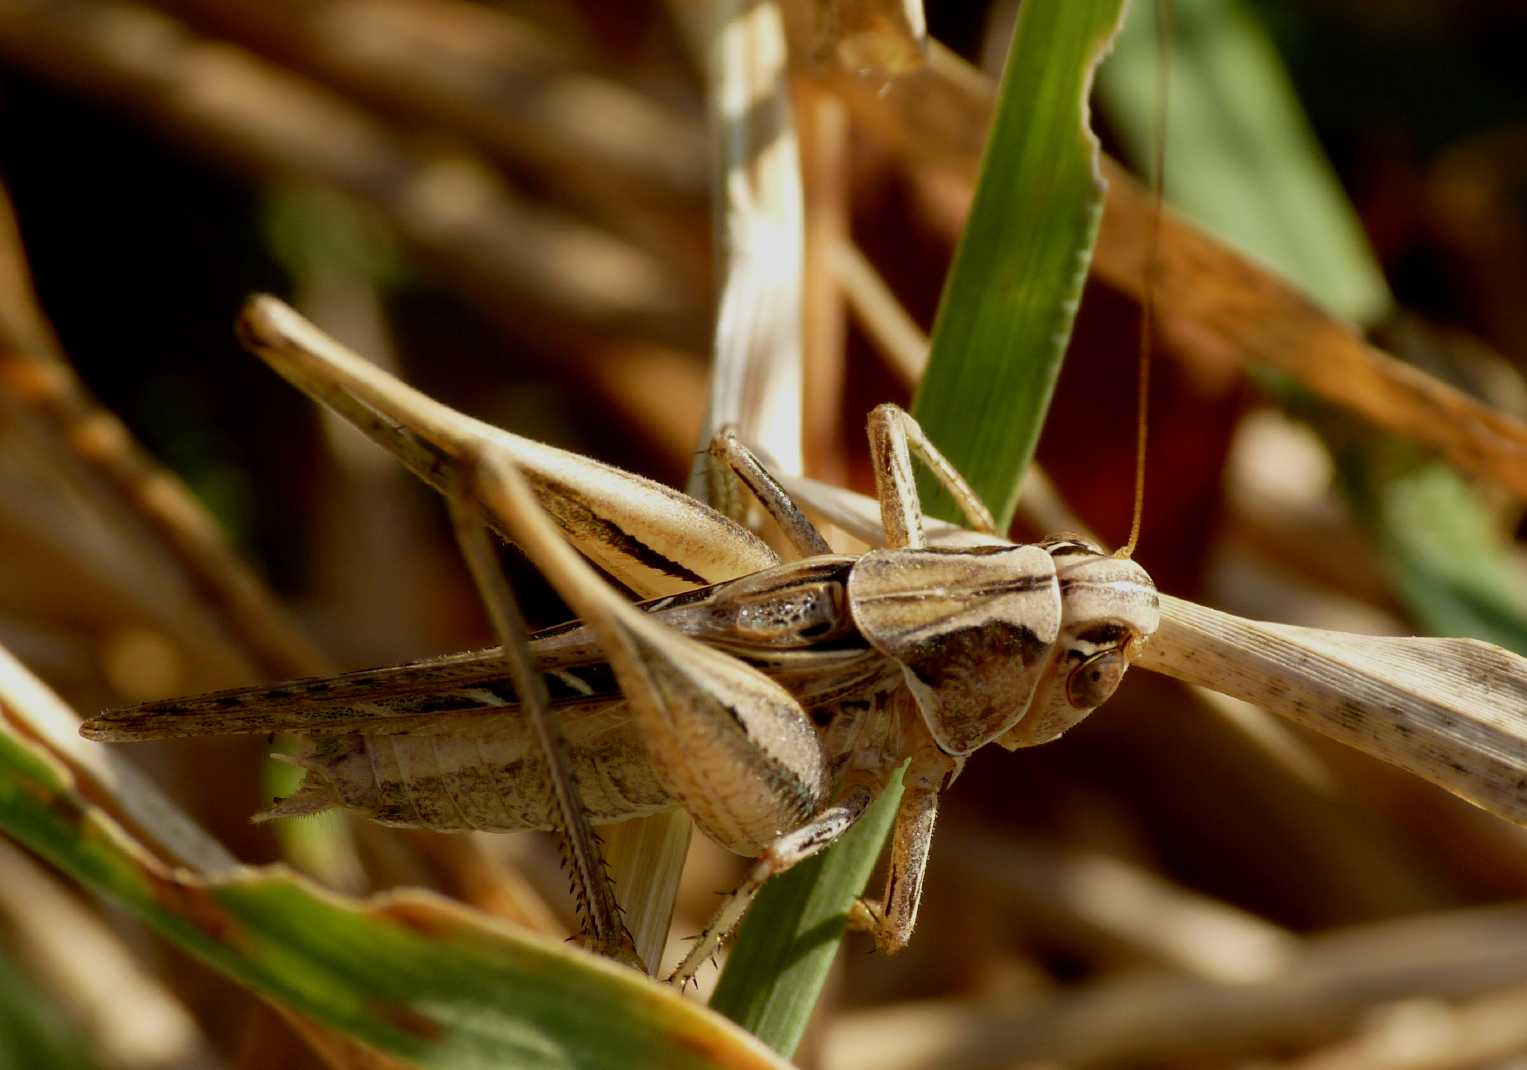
507, 204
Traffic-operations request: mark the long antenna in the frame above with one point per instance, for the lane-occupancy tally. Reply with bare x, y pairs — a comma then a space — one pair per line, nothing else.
1152, 269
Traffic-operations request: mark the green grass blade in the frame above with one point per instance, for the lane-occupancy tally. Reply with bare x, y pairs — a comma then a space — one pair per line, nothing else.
32, 1031
787, 942
413, 975
1012, 293
1001, 331
1449, 560
1241, 158
1243, 161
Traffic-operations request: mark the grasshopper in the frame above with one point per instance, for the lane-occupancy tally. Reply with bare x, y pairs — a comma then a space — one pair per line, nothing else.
773, 707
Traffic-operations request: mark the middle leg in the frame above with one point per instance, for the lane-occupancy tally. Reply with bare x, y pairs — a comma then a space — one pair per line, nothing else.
892, 919
781, 855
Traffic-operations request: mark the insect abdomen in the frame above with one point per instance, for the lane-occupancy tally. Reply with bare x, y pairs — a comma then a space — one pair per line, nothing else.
482, 777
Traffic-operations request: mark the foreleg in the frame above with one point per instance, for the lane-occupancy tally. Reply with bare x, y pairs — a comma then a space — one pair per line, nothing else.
730, 455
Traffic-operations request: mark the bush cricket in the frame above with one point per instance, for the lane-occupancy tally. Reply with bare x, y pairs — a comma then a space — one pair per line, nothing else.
773, 705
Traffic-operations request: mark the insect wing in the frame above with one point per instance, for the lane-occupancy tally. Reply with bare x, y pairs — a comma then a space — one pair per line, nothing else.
773, 620
396, 698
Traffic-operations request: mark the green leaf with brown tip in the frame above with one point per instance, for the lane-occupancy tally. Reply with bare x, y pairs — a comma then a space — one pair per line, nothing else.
32, 1031
1002, 329
1008, 305
414, 975
788, 940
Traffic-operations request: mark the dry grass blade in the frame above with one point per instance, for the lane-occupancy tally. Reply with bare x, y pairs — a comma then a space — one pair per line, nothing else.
203, 581
1214, 304
880, 38
646, 860
1131, 1020
451, 65
451, 205
1426, 1034
757, 358
1453, 711
756, 179
1119, 910
826, 172
1219, 306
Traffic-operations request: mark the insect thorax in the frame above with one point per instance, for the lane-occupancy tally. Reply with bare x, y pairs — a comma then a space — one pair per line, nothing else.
991, 639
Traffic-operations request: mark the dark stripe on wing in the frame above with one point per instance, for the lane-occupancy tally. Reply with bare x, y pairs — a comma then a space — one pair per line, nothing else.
570, 508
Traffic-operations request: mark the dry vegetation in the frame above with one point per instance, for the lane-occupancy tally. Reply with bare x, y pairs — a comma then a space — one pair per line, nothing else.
510, 206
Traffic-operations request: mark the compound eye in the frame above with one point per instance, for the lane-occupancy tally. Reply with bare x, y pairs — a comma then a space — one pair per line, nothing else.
1093, 681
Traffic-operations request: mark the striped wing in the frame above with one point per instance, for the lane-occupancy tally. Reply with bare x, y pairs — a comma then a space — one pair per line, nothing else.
822, 661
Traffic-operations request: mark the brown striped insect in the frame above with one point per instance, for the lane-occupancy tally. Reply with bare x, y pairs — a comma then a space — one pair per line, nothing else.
773, 707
